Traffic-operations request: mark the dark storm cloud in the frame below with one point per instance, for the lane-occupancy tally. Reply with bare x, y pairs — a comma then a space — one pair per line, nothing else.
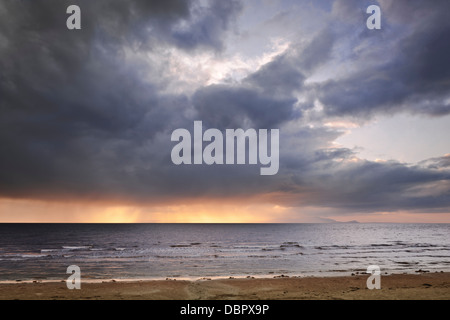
181, 22
413, 74
287, 72
266, 98
209, 25
366, 186
76, 118
223, 106
280, 76
80, 119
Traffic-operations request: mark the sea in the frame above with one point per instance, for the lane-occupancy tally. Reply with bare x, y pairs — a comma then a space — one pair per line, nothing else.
41, 252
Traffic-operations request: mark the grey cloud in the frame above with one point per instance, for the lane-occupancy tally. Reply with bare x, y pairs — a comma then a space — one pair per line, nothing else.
280, 76
206, 25
367, 186
224, 106
350, 11
265, 98
412, 76
76, 121
437, 163
317, 51
287, 72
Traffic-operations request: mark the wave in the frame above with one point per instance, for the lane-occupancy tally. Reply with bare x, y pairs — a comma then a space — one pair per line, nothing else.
263, 257
76, 247
406, 263
273, 249
290, 245
34, 255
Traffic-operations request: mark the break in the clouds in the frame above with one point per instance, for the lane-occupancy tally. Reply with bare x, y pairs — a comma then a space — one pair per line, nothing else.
87, 114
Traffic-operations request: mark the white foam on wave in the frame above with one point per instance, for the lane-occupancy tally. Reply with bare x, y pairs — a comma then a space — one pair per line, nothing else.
27, 256
76, 247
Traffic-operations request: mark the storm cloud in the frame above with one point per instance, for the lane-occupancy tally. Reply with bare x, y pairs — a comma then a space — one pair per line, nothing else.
88, 114
412, 73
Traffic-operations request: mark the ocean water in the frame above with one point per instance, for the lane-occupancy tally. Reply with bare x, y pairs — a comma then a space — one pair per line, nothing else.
158, 251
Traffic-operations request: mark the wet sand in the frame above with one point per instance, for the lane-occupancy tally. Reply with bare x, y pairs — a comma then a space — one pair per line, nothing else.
427, 286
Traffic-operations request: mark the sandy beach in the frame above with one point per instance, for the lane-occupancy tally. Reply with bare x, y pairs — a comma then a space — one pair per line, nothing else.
428, 286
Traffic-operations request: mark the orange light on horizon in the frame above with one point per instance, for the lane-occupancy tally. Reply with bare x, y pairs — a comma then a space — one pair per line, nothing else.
34, 211
208, 211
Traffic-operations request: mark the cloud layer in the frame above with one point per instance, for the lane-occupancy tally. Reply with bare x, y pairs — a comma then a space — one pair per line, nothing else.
88, 114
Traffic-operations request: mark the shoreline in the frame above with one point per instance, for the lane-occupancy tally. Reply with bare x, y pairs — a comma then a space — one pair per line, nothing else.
222, 277
423, 286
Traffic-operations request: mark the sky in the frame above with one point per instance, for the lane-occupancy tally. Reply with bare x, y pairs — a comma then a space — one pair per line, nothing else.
86, 116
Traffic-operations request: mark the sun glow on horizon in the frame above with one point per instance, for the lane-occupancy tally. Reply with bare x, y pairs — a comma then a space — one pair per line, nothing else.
38, 211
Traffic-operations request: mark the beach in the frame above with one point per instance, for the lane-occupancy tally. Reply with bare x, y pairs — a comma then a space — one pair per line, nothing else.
425, 286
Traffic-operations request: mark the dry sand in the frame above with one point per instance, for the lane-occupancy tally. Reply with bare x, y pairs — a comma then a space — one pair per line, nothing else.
404, 286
